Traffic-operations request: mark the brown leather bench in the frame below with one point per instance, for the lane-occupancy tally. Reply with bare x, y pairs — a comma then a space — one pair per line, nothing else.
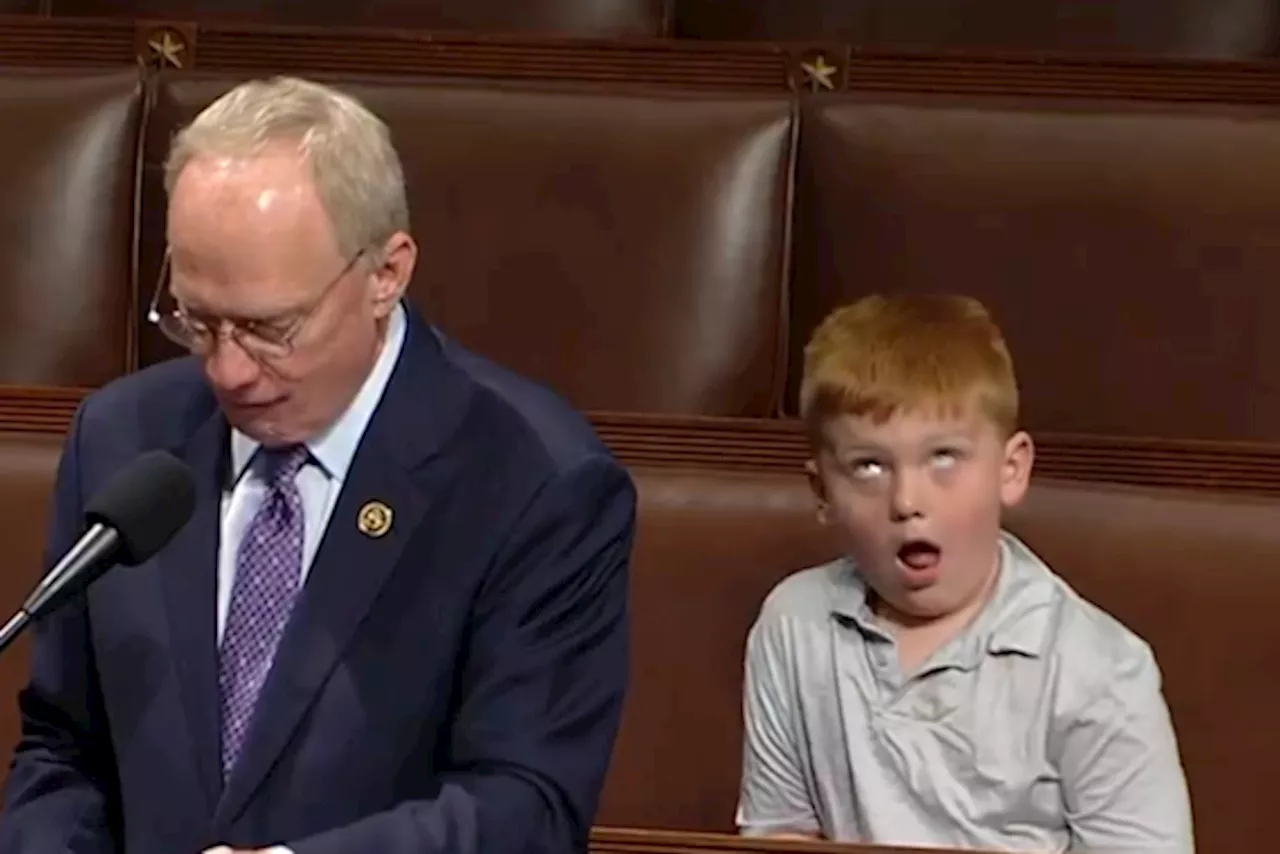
593, 220
1128, 249
27, 466
646, 235
67, 165
1195, 573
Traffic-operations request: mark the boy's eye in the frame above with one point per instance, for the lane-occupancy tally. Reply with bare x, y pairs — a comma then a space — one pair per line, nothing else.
946, 457
865, 468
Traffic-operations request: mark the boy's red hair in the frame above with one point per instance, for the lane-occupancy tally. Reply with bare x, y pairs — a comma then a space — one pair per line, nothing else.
888, 354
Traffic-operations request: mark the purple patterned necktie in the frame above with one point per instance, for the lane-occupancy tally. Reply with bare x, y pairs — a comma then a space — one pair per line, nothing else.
268, 575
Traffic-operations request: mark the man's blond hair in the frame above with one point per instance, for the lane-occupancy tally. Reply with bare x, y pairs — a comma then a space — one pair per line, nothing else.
348, 149
883, 355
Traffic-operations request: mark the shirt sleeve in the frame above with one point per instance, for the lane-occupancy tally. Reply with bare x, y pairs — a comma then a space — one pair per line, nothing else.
1123, 781
774, 798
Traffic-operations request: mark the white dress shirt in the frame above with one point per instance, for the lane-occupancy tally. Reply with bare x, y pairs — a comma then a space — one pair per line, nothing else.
319, 481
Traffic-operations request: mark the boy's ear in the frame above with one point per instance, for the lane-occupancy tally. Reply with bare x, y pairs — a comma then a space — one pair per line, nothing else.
1015, 471
818, 488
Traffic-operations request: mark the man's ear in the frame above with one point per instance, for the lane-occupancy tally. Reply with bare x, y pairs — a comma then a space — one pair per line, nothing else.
819, 489
1015, 470
393, 272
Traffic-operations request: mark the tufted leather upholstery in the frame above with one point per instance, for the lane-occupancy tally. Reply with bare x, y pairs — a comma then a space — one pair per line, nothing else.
643, 233
1145, 230
66, 225
1191, 572
635, 250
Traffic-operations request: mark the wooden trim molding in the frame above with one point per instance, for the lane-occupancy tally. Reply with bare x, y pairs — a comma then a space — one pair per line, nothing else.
778, 445
651, 61
34, 409
1069, 76
626, 840
819, 70
36, 42
175, 45
750, 444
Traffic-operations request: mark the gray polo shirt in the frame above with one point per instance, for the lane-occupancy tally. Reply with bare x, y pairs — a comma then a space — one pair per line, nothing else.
1042, 727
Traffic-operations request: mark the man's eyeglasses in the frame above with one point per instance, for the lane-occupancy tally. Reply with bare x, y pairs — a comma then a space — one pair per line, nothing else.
263, 339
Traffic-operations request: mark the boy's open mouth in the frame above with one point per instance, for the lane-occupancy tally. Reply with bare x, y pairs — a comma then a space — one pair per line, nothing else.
919, 554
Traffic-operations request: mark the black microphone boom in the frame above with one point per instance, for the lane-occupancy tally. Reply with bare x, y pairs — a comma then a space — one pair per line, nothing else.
132, 517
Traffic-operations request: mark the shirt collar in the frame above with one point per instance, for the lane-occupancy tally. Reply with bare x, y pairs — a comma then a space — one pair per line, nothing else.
1014, 620
334, 449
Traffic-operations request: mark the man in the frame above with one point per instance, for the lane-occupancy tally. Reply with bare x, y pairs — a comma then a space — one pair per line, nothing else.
397, 620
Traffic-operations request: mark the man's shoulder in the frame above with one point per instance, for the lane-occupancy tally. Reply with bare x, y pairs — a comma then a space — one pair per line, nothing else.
522, 417
155, 407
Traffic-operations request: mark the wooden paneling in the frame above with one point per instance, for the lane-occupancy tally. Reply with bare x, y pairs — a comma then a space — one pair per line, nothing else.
603, 18
779, 445
41, 42
812, 67
651, 61
746, 444
623, 840
757, 66
38, 410
750, 444
1219, 29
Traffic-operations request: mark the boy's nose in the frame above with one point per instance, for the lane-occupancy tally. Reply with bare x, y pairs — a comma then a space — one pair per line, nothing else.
905, 499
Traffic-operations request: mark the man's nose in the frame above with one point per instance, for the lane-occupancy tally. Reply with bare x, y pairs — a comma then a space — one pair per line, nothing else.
229, 366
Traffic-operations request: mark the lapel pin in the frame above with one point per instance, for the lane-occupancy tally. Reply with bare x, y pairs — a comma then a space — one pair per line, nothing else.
374, 519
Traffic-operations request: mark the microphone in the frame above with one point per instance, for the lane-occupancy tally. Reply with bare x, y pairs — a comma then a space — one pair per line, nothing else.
139, 509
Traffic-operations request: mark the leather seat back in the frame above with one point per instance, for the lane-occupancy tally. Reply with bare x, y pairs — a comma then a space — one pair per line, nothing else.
627, 249
67, 225
1194, 573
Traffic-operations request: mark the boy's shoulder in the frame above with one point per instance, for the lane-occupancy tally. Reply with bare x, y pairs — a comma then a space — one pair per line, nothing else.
1081, 639
809, 593
795, 617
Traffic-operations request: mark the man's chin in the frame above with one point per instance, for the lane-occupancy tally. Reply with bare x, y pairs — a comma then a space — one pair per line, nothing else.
260, 423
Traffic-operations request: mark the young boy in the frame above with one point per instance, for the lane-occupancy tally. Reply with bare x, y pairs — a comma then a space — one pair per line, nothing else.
940, 686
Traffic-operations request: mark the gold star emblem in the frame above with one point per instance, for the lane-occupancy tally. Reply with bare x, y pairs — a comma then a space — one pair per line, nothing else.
819, 73
166, 49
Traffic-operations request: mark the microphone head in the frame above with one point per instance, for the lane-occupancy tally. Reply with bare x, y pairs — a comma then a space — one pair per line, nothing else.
147, 503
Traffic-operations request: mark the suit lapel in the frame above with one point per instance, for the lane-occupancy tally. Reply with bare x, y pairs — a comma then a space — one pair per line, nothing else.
188, 573
350, 566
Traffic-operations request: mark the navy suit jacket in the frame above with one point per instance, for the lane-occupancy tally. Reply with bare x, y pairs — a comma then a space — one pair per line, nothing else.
454, 686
